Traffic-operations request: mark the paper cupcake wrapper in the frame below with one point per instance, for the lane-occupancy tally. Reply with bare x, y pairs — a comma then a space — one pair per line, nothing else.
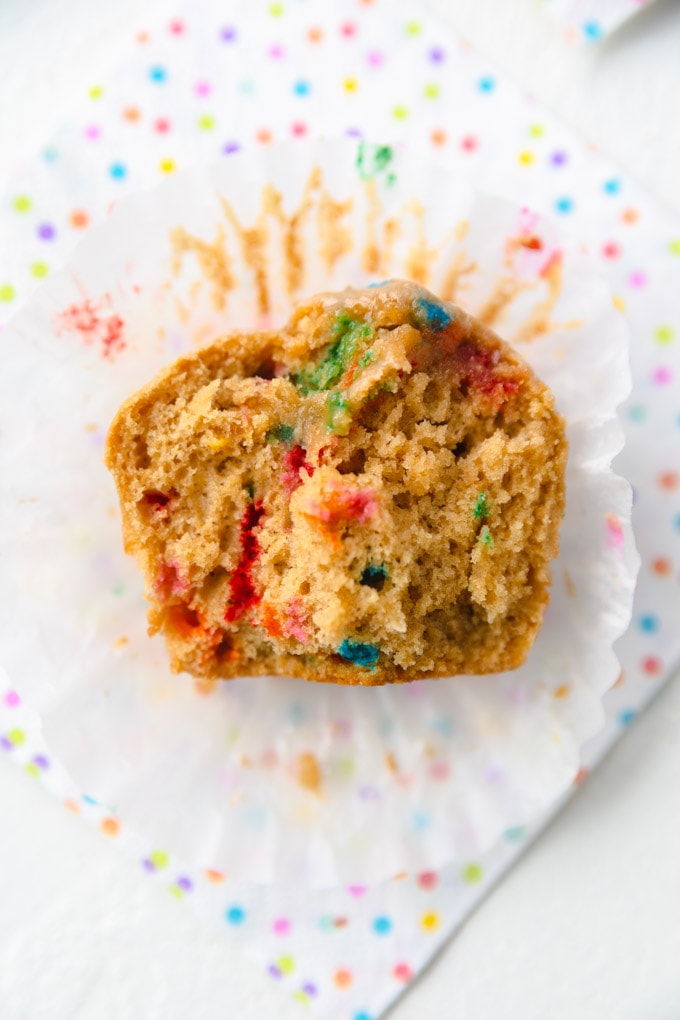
412, 776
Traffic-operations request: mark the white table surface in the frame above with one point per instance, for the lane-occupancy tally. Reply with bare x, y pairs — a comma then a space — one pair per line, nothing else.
587, 925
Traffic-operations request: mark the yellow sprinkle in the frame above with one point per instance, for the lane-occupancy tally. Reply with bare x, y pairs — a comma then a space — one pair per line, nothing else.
218, 444
526, 157
350, 84
167, 166
96, 92
619, 303
536, 130
429, 921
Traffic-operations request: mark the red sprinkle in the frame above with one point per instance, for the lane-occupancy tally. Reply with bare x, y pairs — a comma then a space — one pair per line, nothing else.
532, 242
293, 460
242, 593
159, 502
478, 367
94, 325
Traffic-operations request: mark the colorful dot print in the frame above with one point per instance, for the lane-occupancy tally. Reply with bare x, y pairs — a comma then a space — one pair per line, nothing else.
350, 951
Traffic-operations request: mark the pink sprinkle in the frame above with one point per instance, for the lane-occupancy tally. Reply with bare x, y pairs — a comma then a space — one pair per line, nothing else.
343, 503
276, 52
439, 770
281, 926
638, 279
356, 890
294, 625
375, 58
298, 128
12, 699
169, 580
662, 375
203, 88
92, 131
614, 532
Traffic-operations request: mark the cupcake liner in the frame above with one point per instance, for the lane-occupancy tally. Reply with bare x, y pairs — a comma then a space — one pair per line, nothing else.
411, 776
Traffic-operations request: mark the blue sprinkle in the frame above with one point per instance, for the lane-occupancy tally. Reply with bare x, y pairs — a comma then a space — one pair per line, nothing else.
435, 316
421, 820
301, 88
381, 283
89, 800
361, 1015
626, 716
486, 84
612, 186
649, 624
117, 171
516, 834
443, 726
592, 30
235, 915
382, 926
157, 74
359, 653
564, 204
297, 712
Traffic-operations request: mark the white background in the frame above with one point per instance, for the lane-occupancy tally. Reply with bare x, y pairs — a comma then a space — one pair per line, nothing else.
587, 925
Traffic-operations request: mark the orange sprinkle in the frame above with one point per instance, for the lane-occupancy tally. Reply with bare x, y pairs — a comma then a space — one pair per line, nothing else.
79, 219
309, 772
343, 978
121, 642
72, 806
580, 776
391, 763
205, 687
561, 691
662, 567
214, 876
630, 215
110, 826
270, 621
315, 34
264, 136
438, 136
131, 113
669, 480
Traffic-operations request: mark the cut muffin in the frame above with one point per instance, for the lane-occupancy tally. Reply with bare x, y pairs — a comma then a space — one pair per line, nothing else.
370, 495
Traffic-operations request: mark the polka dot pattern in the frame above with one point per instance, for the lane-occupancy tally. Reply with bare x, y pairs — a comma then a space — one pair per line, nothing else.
313, 67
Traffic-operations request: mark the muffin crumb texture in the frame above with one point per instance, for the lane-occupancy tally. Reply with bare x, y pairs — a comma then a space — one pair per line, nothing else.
371, 494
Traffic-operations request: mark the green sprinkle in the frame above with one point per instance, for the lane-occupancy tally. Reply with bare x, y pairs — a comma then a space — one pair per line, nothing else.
373, 159
337, 407
472, 873
175, 891
482, 507
349, 334
280, 434
22, 203
485, 537
159, 859
250, 489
